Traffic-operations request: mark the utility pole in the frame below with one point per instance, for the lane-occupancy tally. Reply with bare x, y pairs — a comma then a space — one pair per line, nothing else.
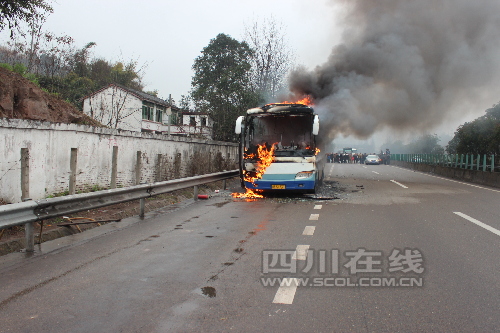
169, 113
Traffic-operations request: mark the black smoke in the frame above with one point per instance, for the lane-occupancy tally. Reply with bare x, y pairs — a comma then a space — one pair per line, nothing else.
407, 65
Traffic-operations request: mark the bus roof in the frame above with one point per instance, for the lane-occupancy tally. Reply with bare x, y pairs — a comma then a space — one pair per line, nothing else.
277, 108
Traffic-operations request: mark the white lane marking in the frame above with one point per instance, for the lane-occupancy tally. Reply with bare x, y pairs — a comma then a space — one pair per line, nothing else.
314, 217
376, 172
479, 223
395, 182
365, 167
300, 252
286, 291
318, 206
309, 230
450, 180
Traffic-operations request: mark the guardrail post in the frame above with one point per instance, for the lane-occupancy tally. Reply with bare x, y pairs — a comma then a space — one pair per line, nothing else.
114, 166
224, 184
492, 163
142, 207
29, 231
29, 234
142, 204
456, 160
195, 192
72, 172
484, 163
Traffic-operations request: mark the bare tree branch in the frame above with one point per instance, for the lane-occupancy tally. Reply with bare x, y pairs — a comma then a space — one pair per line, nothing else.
272, 59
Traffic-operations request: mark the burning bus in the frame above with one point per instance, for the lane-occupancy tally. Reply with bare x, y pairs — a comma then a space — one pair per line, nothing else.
277, 149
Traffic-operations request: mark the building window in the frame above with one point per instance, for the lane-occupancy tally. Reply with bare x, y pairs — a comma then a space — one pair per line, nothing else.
159, 114
192, 121
147, 111
173, 118
204, 121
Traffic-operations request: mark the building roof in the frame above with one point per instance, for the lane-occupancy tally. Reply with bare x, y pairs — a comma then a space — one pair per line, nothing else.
194, 113
139, 94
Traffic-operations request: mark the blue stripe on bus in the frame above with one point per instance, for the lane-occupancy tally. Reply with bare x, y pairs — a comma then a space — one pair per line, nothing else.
289, 184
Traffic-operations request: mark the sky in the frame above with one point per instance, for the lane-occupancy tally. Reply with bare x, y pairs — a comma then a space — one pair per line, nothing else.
168, 35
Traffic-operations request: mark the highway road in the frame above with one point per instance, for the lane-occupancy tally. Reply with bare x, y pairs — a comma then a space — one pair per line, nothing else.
383, 249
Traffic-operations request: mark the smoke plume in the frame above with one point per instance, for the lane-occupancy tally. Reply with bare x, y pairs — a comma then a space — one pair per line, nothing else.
406, 64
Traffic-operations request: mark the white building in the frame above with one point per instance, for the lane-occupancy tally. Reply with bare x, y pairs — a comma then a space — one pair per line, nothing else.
193, 124
120, 107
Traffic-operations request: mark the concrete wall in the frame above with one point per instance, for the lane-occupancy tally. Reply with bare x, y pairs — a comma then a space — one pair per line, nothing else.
473, 176
50, 146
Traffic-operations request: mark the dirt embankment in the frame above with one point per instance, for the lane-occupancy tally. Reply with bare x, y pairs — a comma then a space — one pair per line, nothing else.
22, 99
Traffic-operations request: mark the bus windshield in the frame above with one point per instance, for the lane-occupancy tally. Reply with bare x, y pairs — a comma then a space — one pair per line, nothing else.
292, 133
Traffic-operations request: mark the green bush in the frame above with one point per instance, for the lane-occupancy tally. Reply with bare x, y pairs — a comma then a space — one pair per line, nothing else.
20, 69
6, 66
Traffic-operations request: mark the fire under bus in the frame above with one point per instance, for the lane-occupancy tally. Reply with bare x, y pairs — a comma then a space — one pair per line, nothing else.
277, 150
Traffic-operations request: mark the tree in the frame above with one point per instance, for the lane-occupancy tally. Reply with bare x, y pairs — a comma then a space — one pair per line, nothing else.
396, 147
221, 83
57, 66
186, 102
80, 60
271, 59
127, 75
426, 144
13, 12
480, 136
43, 53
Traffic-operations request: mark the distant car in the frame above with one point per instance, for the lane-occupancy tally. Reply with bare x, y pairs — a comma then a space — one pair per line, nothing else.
372, 159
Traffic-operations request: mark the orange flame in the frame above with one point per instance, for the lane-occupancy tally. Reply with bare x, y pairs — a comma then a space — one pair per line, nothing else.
249, 194
307, 100
264, 159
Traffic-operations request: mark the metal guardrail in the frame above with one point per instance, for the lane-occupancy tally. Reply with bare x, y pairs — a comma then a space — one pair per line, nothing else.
37, 210
463, 161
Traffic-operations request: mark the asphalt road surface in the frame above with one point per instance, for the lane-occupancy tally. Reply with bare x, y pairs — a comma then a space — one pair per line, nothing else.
382, 249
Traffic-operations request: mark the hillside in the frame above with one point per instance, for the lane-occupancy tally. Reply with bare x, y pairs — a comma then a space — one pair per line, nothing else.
22, 99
